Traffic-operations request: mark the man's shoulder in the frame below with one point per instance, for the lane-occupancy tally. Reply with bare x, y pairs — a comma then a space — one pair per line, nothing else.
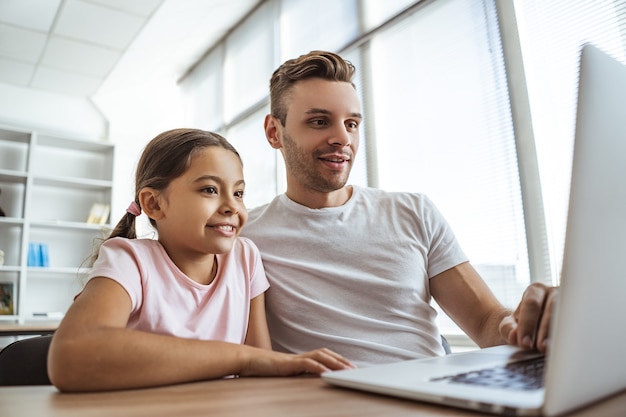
380, 195
260, 218
255, 212
264, 209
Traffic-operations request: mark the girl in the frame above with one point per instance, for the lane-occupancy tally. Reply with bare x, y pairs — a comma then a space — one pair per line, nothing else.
188, 306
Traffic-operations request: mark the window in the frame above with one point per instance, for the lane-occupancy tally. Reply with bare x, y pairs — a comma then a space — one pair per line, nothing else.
377, 12
203, 93
322, 24
259, 158
248, 63
444, 128
551, 34
433, 83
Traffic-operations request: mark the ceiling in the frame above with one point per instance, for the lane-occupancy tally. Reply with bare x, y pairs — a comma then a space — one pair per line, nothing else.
82, 47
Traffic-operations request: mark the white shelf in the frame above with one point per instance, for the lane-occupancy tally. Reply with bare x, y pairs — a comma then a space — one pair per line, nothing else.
7, 175
10, 220
82, 183
48, 271
49, 183
62, 224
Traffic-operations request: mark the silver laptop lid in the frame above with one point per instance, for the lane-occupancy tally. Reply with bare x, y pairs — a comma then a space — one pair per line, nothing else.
595, 246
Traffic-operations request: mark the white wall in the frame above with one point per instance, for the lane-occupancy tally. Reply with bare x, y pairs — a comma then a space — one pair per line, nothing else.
35, 109
127, 117
136, 114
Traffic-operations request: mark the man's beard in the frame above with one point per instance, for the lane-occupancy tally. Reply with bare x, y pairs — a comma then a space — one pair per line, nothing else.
302, 167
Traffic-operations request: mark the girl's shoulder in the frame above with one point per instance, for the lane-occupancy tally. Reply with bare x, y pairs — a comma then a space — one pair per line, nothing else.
244, 245
134, 248
244, 253
134, 244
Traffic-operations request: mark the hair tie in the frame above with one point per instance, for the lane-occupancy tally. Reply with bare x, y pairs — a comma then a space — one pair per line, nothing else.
134, 209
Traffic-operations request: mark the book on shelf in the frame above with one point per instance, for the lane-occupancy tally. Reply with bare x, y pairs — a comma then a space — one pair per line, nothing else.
44, 255
6, 299
99, 213
38, 254
34, 254
57, 315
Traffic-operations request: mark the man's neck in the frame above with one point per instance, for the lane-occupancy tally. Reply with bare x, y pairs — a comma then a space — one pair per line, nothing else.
316, 200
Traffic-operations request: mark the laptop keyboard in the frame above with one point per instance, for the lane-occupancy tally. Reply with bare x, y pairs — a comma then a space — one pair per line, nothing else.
523, 375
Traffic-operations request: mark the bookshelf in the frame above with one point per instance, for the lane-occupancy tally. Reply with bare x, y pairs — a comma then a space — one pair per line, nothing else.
50, 185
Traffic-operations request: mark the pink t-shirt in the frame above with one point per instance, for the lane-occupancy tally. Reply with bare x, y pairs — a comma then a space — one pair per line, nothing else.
166, 301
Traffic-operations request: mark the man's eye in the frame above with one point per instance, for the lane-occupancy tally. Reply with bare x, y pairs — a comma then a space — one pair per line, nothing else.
319, 122
352, 125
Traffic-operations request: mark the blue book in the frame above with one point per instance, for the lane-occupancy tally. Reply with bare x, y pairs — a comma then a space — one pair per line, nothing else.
44, 258
33, 254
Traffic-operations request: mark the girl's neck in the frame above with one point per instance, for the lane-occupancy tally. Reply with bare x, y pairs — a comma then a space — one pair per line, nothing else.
202, 270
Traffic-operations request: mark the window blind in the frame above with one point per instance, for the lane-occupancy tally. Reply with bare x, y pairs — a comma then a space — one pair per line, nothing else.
551, 36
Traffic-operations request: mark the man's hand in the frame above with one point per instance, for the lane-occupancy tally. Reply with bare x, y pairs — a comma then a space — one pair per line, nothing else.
529, 325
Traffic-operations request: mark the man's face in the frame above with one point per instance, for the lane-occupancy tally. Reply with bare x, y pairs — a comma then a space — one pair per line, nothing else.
321, 134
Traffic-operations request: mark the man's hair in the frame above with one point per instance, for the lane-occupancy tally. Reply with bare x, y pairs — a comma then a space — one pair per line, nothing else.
315, 64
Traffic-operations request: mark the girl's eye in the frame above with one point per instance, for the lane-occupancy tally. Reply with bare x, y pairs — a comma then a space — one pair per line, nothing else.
239, 194
210, 190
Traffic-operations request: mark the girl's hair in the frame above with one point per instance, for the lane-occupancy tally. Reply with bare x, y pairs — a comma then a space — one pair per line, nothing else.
165, 158
315, 64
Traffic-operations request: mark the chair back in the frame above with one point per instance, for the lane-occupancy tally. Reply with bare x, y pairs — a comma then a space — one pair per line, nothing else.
25, 362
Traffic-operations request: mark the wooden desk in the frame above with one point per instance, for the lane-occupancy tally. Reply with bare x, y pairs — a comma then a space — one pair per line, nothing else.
258, 397
15, 329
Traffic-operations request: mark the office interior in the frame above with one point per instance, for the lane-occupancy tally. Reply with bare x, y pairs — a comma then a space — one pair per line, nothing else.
470, 102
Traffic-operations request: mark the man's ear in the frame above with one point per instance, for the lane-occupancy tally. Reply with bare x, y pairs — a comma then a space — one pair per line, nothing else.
149, 202
273, 131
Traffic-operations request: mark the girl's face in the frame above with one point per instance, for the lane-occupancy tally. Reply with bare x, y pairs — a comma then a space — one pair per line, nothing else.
202, 211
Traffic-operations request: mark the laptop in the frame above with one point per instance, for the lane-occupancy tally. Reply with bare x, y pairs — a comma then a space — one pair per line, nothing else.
585, 361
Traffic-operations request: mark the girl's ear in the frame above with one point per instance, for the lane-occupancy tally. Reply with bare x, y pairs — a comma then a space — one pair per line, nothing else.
272, 131
149, 202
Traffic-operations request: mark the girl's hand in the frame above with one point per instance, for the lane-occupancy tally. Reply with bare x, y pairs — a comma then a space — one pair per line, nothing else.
269, 363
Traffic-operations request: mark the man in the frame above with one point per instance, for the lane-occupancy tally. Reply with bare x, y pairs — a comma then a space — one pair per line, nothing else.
353, 268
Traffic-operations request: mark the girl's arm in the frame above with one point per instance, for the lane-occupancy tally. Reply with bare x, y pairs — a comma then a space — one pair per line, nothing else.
93, 350
258, 333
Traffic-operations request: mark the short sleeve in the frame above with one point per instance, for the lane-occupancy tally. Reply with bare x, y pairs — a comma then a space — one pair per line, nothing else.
258, 280
445, 250
118, 260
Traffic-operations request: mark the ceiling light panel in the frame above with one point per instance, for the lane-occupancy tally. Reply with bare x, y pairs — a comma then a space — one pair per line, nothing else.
89, 22
21, 44
30, 14
79, 57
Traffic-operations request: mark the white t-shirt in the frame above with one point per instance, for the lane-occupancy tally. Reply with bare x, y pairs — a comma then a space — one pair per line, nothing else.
354, 278
166, 301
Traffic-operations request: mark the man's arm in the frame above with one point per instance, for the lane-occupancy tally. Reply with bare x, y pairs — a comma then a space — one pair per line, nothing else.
466, 298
